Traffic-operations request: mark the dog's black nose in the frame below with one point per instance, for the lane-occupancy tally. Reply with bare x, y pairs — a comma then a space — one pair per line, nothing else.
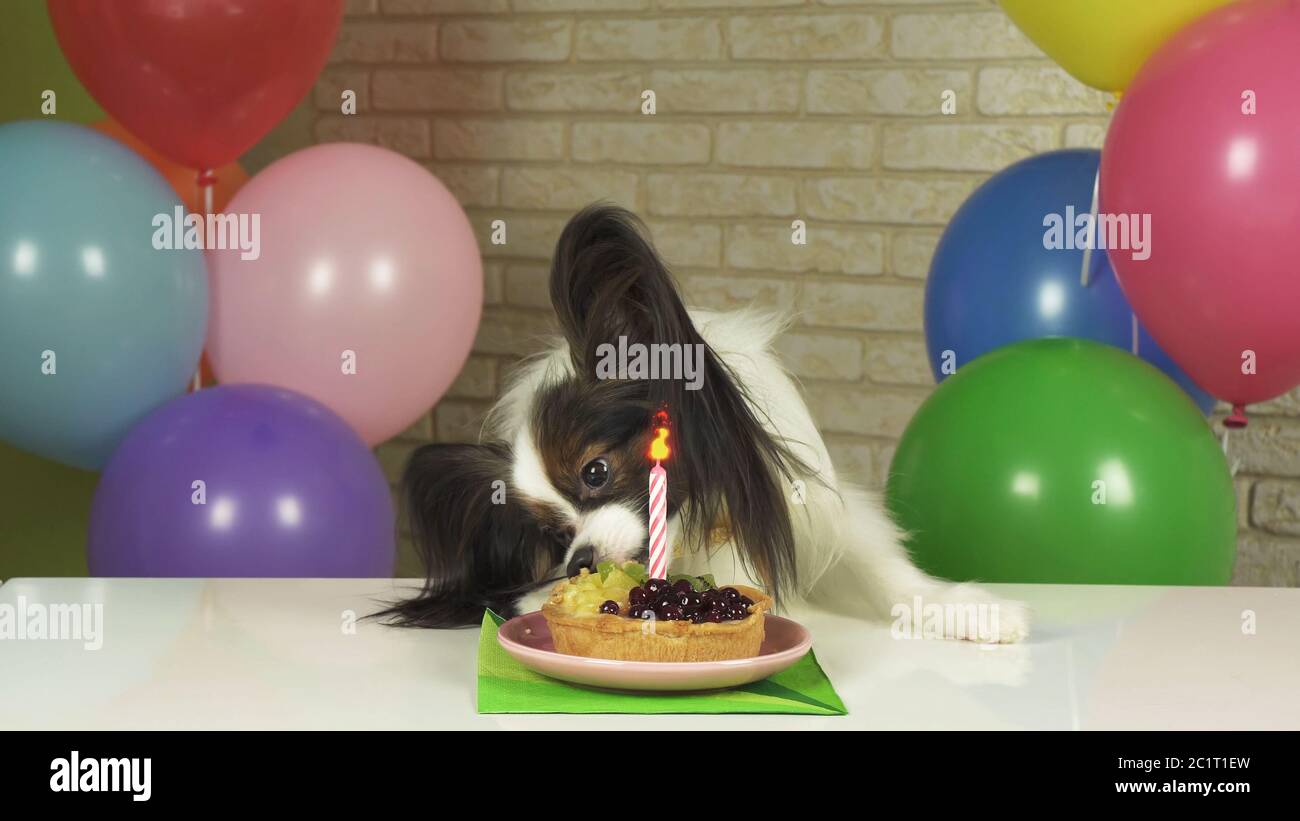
582, 557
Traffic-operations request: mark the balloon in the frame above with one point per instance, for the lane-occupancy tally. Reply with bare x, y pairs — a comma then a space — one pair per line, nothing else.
97, 327
242, 480
229, 178
32, 64
1218, 179
43, 511
201, 81
1064, 461
993, 281
1103, 42
366, 295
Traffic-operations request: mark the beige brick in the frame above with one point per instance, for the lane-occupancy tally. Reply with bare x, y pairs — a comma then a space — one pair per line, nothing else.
1267, 561
918, 91
494, 276
439, 90
498, 140
477, 380
687, 244
581, 5
328, 93
725, 90
868, 307
524, 40
723, 195
374, 42
730, 292
911, 253
421, 430
1275, 506
664, 39
393, 456
898, 360
804, 36
570, 91
958, 36
528, 286
472, 185
796, 145
527, 236
1038, 89
426, 7
514, 332
1085, 135
865, 461
669, 143
360, 8
1270, 446
459, 421
1288, 404
721, 4
890, 200
821, 356
960, 147
862, 411
567, 187
405, 135
828, 249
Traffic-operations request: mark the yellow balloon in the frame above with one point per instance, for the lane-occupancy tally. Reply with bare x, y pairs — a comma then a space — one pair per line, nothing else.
1104, 42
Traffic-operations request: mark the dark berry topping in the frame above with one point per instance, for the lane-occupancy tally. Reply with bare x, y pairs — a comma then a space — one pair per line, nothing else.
682, 586
637, 596
610, 607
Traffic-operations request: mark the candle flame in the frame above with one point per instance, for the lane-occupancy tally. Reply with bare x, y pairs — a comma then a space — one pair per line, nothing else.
659, 447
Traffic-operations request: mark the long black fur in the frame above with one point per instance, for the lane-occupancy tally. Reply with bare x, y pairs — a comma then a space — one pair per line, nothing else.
607, 281
477, 553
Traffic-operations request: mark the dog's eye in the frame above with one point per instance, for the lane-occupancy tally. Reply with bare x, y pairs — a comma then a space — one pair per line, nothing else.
595, 473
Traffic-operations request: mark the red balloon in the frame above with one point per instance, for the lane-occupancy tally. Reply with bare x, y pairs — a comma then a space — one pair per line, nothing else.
1206, 143
200, 81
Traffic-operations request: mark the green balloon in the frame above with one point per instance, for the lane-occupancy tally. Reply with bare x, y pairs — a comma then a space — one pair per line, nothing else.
44, 508
1064, 461
31, 63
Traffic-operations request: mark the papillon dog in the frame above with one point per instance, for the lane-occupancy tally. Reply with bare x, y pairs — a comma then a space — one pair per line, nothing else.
560, 480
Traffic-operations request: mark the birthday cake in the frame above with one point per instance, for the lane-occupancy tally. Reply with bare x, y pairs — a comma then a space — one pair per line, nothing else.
619, 612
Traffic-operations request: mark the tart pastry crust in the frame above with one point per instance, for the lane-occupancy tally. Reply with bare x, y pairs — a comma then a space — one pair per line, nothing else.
606, 636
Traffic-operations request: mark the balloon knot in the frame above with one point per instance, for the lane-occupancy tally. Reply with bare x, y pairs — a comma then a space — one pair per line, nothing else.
207, 178
1236, 419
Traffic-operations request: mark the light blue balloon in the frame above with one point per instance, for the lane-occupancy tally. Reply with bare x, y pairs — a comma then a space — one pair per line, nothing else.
97, 327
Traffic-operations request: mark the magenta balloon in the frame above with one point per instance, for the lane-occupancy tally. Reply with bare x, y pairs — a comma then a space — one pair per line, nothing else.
1207, 142
287, 489
367, 291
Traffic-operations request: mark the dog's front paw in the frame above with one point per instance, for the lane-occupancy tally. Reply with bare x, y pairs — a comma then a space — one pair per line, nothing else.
971, 613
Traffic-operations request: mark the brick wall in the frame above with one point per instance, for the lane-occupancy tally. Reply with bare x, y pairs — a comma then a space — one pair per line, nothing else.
767, 111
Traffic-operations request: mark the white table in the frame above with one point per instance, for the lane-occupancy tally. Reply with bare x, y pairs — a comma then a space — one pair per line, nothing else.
274, 654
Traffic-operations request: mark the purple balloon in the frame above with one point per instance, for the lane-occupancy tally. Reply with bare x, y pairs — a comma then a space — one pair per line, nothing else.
288, 489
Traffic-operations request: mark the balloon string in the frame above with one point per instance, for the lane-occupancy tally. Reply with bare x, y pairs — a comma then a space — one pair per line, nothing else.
1135, 335
1086, 268
1233, 464
207, 181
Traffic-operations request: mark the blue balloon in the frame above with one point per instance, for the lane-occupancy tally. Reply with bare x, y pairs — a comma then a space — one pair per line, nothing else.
994, 279
97, 327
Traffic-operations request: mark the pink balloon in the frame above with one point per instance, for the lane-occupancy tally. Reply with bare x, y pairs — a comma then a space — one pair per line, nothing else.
367, 264
1222, 187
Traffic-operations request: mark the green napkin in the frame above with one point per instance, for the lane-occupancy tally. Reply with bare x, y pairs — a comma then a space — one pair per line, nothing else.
506, 686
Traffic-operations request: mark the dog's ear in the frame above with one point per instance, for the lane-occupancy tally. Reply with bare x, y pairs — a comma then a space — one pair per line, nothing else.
607, 282
480, 547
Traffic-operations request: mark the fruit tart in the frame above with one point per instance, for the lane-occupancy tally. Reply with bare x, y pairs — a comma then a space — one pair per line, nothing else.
618, 612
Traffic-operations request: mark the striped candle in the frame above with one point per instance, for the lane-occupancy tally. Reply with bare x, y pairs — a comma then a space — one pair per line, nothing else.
658, 568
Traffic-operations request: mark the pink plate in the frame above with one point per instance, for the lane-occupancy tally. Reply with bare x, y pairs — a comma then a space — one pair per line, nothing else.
528, 639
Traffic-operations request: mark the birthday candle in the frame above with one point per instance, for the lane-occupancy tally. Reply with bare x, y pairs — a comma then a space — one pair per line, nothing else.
658, 567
